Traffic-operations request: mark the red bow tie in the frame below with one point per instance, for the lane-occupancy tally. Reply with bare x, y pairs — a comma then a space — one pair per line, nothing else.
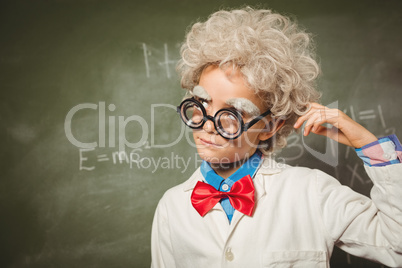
241, 196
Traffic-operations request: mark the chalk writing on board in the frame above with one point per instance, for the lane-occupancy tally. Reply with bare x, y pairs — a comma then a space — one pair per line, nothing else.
370, 114
163, 61
89, 159
355, 175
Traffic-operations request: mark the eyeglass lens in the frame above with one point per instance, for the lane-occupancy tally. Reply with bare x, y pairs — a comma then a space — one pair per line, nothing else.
193, 114
228, 122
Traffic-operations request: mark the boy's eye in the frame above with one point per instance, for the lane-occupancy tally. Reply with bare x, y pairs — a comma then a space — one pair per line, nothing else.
204, 102
241, 113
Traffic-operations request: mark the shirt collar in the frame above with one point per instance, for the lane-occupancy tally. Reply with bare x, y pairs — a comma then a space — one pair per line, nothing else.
268, 167
250, 167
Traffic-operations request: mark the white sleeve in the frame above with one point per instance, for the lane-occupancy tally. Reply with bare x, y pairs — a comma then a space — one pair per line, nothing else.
161, 248
369, 228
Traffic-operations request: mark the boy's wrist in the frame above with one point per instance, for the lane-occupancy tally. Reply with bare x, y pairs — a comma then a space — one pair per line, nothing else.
384, 151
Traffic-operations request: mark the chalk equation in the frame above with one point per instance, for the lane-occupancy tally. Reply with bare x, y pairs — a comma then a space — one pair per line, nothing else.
370, 114
89, 159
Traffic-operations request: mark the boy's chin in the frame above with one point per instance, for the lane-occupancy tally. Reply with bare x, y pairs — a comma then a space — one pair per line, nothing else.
217, 159
214, 158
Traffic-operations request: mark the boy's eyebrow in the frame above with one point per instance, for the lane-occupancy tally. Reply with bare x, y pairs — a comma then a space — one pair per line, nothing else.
200, 92
244, 105
240, 104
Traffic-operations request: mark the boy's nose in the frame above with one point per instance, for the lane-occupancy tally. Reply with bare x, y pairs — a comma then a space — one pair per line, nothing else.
209, 126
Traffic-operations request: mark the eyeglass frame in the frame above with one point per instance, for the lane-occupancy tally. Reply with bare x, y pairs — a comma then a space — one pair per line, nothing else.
243, 126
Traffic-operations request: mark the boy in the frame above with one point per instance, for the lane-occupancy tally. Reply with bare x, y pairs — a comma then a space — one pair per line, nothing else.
250, 78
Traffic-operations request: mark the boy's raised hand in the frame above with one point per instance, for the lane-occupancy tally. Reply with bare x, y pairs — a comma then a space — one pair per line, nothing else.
344, 129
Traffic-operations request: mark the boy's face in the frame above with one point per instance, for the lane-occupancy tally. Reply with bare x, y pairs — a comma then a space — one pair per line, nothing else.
224, 88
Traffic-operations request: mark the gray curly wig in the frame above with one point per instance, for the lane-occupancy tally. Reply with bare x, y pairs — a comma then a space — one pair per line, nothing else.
274, 55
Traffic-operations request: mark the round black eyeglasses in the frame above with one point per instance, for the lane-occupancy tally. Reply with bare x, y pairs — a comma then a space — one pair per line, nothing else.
228, 122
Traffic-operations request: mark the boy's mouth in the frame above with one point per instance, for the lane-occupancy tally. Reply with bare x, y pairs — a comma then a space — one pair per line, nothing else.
210, 144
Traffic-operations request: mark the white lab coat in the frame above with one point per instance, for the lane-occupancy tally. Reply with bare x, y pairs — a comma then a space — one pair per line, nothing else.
300, 214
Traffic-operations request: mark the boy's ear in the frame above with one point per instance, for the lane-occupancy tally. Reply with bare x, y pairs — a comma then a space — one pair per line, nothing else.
273, 127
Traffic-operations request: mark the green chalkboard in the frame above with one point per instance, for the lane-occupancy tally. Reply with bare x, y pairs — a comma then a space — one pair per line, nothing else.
79, 79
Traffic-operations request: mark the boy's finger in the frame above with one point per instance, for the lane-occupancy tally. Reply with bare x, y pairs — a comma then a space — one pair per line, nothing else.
304, 117
310, 123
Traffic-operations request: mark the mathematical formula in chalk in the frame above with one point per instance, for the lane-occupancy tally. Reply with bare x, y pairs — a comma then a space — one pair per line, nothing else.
89, 159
